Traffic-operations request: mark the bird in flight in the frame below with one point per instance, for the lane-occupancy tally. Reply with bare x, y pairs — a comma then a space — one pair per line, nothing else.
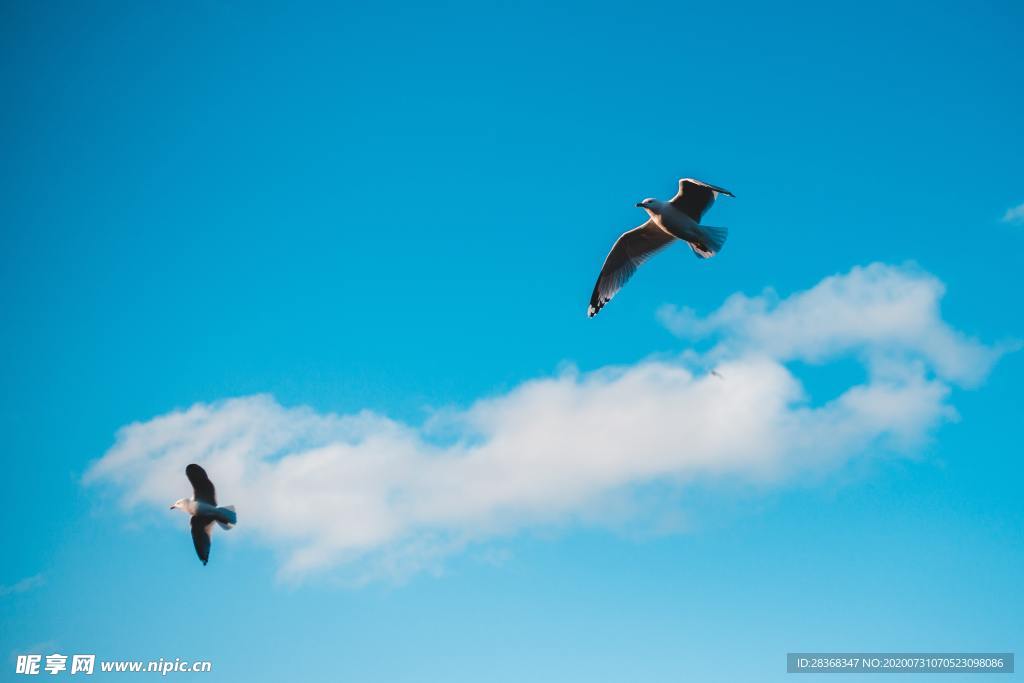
677, 219
203, 510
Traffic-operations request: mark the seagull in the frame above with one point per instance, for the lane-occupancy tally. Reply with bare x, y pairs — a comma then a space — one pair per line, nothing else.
676, 219
203, 510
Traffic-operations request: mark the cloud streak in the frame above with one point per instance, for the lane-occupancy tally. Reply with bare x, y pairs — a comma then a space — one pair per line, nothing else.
1014, 215
23, 586
365, 491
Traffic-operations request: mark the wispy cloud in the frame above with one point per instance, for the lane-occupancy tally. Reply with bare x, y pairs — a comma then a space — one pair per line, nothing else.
26, 584
886, 315
369, 492
1014, 215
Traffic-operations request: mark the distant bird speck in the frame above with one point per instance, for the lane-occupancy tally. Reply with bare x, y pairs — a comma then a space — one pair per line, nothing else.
676, 219
203, 510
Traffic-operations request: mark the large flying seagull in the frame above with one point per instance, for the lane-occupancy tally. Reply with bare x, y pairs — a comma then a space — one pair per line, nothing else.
677, 219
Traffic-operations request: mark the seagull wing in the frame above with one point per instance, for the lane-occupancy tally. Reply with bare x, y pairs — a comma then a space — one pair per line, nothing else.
695, 197
631, 250
201, 527
202, 487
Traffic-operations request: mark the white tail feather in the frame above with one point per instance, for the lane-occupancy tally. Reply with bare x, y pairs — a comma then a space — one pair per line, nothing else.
712, 242
230, 519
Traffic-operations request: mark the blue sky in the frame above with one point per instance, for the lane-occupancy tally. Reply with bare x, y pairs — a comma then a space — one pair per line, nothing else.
209, 201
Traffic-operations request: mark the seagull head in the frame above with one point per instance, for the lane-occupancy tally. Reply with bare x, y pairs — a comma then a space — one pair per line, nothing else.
180, 504
650, 205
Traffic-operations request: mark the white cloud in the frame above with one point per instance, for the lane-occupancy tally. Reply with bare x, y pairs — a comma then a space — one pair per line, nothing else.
365, 491
26, 584
1014, 215
886, 314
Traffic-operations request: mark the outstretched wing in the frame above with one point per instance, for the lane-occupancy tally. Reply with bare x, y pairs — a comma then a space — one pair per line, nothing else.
201, 527
628, 253
695, 197
202, 487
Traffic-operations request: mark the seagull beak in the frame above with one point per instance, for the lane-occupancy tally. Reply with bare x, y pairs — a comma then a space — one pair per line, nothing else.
172, 507
639, 205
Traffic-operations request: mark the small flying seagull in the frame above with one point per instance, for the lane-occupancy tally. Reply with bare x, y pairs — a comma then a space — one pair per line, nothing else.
676, 219
202, 508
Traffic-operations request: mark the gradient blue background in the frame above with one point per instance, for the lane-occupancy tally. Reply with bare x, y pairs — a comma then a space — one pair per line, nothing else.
203, 200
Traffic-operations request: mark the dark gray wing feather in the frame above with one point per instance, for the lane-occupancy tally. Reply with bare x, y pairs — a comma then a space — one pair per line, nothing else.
201, 527
629, 252
695, 197
202, 487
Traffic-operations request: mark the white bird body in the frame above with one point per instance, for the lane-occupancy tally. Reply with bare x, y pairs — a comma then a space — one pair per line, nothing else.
197, 507
189, 505
673, 221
